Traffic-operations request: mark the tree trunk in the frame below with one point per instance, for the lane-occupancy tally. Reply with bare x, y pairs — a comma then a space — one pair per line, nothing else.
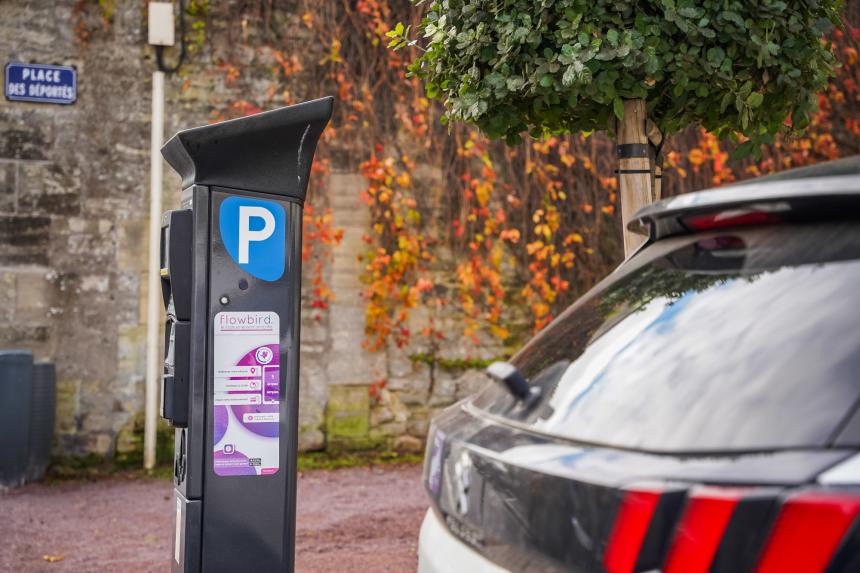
634, 169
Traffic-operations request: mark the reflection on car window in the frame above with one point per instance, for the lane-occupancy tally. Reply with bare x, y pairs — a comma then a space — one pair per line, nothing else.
737, 341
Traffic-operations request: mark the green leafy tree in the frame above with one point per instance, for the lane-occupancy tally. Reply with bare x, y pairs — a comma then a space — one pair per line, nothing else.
750, 67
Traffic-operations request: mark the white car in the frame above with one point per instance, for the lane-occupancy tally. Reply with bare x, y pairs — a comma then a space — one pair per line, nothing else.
698, 411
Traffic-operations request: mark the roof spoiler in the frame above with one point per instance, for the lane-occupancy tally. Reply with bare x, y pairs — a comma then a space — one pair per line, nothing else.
758, 202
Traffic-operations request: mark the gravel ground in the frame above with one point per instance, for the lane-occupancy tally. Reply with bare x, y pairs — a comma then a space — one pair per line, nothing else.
357, 519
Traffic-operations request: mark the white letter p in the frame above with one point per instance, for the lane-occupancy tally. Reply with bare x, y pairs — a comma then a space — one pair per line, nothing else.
246, 235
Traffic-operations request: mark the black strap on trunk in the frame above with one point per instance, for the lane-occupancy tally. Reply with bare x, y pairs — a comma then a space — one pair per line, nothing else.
632, 150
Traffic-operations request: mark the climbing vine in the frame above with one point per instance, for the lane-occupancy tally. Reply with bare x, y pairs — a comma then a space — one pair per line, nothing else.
398, 252
498, 239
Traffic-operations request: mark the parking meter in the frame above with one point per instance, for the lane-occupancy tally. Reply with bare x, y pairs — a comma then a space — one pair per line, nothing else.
231, 278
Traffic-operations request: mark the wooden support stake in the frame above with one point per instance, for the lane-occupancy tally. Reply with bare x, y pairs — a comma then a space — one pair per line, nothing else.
634, 169
655, 137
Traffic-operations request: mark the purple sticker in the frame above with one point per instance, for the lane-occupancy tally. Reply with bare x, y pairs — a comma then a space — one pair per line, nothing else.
247, 397
233, 463
221, 421
247, 414
271, 384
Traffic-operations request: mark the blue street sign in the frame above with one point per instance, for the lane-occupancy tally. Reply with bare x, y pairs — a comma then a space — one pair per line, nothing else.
41, 83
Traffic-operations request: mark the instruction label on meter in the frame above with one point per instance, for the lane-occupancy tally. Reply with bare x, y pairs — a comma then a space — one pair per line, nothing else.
247, 397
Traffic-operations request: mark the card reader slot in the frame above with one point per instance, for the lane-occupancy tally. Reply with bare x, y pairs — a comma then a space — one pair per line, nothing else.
177, 253
177, 374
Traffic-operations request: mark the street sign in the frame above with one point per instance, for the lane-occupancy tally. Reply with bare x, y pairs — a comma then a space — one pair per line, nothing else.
41, 83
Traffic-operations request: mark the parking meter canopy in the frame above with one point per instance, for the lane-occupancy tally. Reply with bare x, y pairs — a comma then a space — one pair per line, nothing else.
270, 152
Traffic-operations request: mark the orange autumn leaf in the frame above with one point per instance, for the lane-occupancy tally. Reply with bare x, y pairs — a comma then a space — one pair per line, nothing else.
696, 157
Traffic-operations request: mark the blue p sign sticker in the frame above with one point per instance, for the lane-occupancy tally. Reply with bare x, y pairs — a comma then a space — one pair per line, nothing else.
253, 232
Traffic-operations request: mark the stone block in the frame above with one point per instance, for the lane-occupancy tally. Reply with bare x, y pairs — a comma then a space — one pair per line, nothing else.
76, 356
95, 410
347, 425
399, 363
348, 363
24, 240
408, 444
94, 283
344, 188
419, 318
100, 443
131, 351
312, 350
7, 296
124, 287
24, 139
469, 383
47, 188
130, 437
82, 252
348, 320
34, 296
400, 411
313, 331
444, 390
25, 336
7, 186
67, 406
417, 381
411, 398
311, 440
391, 429
132, 240
380, 415
143, 286
419, 424
348, 412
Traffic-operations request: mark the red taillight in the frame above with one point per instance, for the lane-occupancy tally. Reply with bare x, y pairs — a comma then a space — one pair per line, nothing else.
735, 218
702, 525
629, 530
728, 529
807, 532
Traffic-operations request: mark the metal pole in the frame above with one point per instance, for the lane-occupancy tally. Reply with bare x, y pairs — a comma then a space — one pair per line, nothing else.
153, 297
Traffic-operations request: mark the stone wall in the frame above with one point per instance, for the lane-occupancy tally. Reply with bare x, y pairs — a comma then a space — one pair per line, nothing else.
72, 235
74, 202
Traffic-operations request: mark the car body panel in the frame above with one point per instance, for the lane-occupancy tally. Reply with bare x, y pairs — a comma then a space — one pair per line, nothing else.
722, 359
531, 502
441, 552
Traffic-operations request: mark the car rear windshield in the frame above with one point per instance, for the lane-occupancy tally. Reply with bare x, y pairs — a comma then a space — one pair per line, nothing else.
734, 341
